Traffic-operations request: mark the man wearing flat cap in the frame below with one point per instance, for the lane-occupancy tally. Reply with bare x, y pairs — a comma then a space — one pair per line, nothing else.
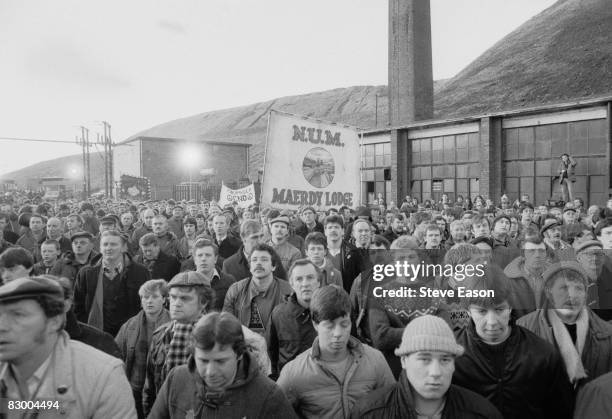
82, 254
190, 296
583, 339
427, 352
551, 231
38, 361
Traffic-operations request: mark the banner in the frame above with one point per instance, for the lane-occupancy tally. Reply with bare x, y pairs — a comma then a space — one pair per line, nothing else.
132, 187
244, 196
310, 163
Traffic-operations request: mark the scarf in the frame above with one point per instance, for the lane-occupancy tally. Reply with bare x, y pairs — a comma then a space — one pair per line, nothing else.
96, 314
179, 347
571, 354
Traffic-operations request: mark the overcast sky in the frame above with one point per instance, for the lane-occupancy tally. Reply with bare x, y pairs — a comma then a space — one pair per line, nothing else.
140, 63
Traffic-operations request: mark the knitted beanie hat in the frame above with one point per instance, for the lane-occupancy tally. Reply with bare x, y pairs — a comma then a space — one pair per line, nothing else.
428, 333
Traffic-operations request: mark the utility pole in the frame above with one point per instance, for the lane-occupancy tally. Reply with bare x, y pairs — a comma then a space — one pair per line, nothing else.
84, 142
108, 160
88, 162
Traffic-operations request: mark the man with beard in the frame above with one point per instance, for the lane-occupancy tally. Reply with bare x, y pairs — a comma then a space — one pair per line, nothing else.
252, 299
565, 320
291, 331
190, 297
428, 351
205, 254
327, 380
106, 295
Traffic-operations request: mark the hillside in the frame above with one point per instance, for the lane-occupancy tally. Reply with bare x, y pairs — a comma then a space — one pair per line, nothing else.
561, 54
57, 168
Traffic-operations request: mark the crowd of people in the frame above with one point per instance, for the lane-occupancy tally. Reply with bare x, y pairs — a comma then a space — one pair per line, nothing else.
164, 309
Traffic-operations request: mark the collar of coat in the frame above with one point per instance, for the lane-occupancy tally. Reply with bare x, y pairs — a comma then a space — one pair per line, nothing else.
355, 347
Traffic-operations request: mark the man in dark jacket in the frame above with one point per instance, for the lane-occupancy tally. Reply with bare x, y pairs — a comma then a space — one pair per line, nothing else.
205, 254
228, 244
190, 297
82, 255
159, 264
238, 264
233, 388
81, 331
565, 320
428, 351
106, 295
309, 223
517, 371
291, 331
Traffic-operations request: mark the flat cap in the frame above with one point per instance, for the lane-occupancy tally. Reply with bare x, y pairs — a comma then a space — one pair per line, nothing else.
280, 219
309, 208
549, 223
31, 287
109, 219
189, 279
81, 235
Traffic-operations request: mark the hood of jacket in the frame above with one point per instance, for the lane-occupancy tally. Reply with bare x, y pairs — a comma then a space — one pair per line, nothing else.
515, 268
247, 371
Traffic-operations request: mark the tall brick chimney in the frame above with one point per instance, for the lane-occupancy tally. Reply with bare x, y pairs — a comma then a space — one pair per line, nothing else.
410, 68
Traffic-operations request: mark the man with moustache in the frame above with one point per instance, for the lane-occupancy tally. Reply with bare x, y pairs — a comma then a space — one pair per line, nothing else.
252, 299
584, 340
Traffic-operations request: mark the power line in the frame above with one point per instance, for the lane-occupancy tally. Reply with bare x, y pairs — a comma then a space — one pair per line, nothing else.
36, 140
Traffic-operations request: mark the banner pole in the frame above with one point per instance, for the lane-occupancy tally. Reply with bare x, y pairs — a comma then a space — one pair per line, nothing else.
361, 169
263, 170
